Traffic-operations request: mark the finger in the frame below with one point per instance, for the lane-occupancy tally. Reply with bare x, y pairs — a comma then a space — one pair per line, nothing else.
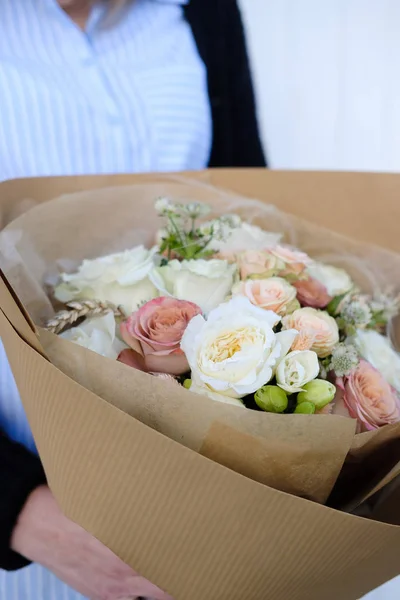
148, 591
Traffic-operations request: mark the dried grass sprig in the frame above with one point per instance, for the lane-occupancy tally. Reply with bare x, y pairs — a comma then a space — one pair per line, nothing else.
85, 309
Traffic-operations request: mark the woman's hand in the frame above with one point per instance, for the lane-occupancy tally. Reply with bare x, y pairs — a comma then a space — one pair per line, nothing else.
44, 535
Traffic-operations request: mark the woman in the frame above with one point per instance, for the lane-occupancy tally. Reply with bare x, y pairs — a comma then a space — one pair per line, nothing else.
106, 87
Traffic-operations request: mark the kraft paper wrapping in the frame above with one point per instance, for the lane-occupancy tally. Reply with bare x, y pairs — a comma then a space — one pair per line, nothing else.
195, 528
295, 454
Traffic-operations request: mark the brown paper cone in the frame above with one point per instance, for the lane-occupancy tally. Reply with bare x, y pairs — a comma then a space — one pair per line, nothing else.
194, 527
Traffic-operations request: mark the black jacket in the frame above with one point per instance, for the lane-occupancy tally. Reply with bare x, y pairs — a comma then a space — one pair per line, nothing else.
218, 31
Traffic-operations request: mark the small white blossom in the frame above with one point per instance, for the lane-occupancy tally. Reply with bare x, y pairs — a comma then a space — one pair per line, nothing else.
357, 312
215, 228
385, 304
344, 359
232, 221
195, 210
164, 207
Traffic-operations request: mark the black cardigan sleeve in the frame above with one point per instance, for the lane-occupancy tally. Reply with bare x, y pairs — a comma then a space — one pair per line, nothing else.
246, 143
20, 473
220, 37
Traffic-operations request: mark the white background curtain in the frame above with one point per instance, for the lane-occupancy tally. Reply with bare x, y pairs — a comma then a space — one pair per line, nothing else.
327, 76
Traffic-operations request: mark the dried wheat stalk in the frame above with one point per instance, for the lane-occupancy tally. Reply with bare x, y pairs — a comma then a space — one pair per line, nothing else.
83, 309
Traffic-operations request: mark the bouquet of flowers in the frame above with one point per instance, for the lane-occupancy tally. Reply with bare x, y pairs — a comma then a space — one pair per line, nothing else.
229, 311
208, 363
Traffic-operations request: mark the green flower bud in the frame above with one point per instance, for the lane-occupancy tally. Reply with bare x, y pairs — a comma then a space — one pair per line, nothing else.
187, 384
305, 408
318, 392
271, 398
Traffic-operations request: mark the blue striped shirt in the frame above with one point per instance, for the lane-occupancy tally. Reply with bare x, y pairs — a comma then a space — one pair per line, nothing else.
129, 97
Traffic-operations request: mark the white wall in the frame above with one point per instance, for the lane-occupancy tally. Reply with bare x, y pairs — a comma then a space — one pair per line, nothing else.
327, 75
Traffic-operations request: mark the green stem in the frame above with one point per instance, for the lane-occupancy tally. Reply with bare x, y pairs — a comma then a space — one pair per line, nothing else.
177, 231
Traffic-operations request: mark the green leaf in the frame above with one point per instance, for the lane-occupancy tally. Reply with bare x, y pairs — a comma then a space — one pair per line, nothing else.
333, 305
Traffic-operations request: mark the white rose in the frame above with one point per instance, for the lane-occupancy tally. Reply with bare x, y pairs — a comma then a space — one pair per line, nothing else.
296, 369
125, 279
234, 352
245, 237
98, 335
378, 350
336, 281
207, 283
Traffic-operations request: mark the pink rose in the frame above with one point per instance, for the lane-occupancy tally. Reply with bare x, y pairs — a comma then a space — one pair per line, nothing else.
154, 333
368, 398
316, 323
258, 263
295, 261
273, 293
311, 292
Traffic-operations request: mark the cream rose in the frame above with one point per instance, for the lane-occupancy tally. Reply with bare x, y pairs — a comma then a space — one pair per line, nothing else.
98, 335
274, 294
245, 237
336, 281
296, 369
124, 278
378, 350
319, 325
207, 283
234, 352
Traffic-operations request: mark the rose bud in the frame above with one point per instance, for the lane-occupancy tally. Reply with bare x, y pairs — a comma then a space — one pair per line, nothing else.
318, 392
271, 399
305, 408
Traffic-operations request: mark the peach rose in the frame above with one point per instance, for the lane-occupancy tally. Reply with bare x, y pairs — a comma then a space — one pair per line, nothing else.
316, 322
258, 264
294, 260
311, 292
273, 293
154, 332
368, 398
304, 341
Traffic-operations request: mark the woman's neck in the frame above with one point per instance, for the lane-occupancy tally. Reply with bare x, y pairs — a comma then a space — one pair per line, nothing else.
77, 10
